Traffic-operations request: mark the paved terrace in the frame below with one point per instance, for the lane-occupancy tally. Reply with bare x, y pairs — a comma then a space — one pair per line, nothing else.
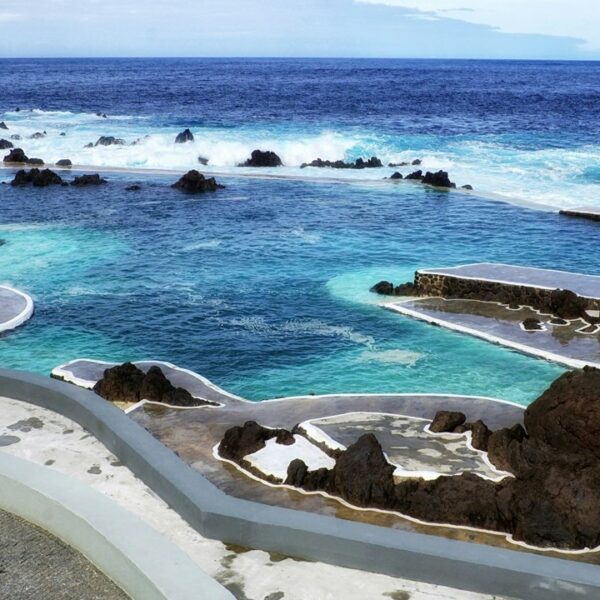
583, 285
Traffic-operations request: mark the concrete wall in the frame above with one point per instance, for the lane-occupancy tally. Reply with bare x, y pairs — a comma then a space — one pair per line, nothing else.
300, 534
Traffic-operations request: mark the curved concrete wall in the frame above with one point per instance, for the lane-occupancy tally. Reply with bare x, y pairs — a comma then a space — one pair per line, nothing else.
300, 534
140, 561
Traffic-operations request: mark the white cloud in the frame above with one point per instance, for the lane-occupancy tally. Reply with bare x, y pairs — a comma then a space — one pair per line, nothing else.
571, 18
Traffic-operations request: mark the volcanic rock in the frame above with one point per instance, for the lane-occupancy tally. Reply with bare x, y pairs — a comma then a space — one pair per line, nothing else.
133, 188
109, 140
384, 288
446, 421
37, 135
15, 136
359, 163
35, 161
567, 305
396, 175
84, 180
439, 179
194, 182
64, 162
532, 324
416, 176
260, 158
3, 125
416, 162
128, 383
203, 160
239, 442
36, 178
5, 145
16, 155
185, 136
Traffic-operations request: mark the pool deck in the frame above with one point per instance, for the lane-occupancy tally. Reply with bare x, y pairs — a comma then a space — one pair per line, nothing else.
16, 308
587, 286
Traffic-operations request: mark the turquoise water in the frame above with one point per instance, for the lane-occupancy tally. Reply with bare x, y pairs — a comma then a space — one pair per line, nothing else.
263, 287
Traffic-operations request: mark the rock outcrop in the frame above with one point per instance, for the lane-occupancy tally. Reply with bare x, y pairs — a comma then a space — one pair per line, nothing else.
85, 180
446, 421
239, 442
3, 125
36, 178
260, 158
64, 162
194, 182
396, 175
109, 140
386, 288
5, 144
185, 136
16, 155
439, 179
359, 163
35, 161
38, 135
532, 324
128, 383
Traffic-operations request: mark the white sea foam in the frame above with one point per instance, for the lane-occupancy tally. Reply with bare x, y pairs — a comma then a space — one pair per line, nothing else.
399, 357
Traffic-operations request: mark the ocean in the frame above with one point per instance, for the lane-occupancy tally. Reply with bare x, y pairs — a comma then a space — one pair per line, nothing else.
263, 287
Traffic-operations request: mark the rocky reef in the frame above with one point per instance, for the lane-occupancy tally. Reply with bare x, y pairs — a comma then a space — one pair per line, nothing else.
85, 180
185, 136
262, 158
127, 383
387, 288
194, 182
359, 163
37, 178
5, 144
109, 140
551, 500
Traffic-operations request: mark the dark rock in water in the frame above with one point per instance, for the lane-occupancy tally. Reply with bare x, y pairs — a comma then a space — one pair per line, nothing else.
446, 421
35, 161
558, 321
396, 175
566, 416
133, 188
504, 447
362, 475
109, 140
416, 162
62, 134
3, 125
16, 155
185, 136
532, 324
101, 115
202, 160
36, 178
127, 383
467, 187
37, 135
567, 305
262, 158
385, 288
439, 179
299, 476
84, 180
90, 145
64, 162
194, 182
400, 164
514, 306
359, 163
15, 136
416, 176
17, 109
5, 145
239, 442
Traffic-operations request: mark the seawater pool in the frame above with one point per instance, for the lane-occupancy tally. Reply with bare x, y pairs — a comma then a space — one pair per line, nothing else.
263, 287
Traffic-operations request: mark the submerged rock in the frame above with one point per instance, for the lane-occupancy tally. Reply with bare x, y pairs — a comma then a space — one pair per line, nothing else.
532, 324
37, 135
3, 125
36, 178
15, 136
203, 160
5, 144
84, 180
128, 383
35, 161
16, 155
260, 158
133, 188
109, 140
386, 288
64, 162
185, 136
194, 182
396, 175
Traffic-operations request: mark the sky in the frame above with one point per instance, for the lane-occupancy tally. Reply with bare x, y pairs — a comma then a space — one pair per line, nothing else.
523, 29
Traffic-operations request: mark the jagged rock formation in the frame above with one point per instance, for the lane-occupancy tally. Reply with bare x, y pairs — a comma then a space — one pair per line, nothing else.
5, 144
84, 180
109, 140
359, 163
194, 182
260, 158
127, 383
386, 288
36, 178
185, 136
64, 162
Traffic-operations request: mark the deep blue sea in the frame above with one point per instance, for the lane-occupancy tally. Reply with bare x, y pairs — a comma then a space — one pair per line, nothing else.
263, 287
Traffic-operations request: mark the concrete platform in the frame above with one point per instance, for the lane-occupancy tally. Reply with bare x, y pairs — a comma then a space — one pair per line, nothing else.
589, 213
587, 286
16, 308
